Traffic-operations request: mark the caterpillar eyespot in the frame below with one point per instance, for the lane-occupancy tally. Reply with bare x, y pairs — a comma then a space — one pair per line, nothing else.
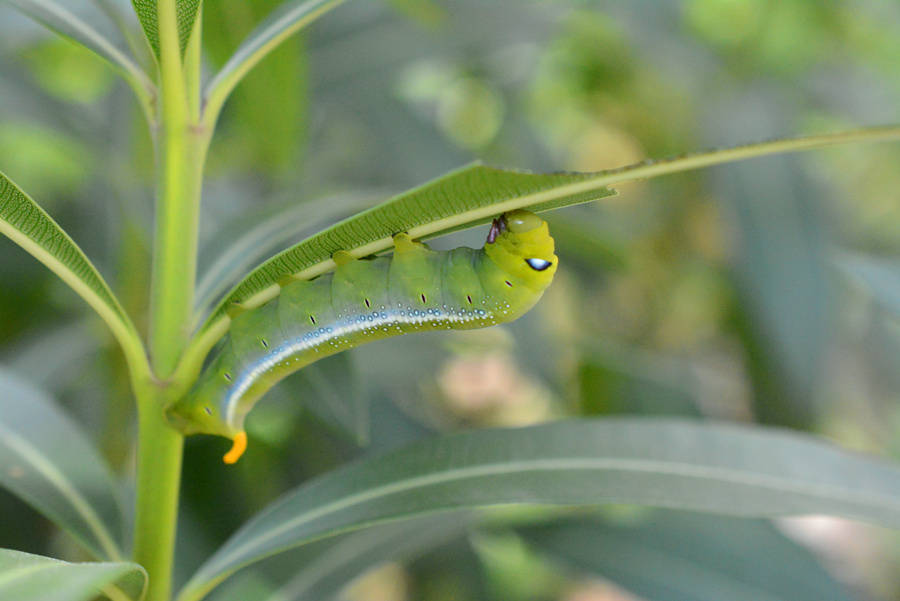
414, 290
538, 264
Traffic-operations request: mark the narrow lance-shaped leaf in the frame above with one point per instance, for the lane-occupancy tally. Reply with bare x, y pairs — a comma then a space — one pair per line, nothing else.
321, 570
465, 198
783, 298
249, 239
285, 21
879, 276
148, 16
29, 226
26, 577
47, 461
61, 20
681, 556
659, 462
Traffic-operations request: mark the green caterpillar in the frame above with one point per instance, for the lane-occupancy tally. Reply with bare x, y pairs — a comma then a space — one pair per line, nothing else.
416, 289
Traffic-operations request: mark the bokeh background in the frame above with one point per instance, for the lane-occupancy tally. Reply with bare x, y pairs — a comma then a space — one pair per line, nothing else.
767, 291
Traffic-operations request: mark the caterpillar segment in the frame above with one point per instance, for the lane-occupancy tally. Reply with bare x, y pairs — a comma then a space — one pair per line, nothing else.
364, 300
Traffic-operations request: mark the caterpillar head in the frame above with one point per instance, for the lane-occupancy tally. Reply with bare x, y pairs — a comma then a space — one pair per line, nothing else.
520, 243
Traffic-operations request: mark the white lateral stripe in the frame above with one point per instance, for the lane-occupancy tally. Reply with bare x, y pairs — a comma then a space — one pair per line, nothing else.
326, 334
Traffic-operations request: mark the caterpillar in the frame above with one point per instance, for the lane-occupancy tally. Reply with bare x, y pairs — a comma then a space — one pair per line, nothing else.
363, 300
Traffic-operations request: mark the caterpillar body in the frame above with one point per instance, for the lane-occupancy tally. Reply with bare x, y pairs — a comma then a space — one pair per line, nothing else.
363, 300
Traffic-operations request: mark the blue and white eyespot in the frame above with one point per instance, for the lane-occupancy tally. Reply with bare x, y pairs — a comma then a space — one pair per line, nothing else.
538, 264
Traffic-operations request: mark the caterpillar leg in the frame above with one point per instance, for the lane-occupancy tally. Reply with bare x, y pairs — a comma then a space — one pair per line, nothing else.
342, 257
403, 244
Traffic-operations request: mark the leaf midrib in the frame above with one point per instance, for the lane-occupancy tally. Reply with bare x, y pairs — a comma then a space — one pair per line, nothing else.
101, 299
8, 576
217, 322
634, 465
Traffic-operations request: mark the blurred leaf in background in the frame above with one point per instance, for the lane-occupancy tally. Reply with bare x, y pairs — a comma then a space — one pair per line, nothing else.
265, 132
720, 294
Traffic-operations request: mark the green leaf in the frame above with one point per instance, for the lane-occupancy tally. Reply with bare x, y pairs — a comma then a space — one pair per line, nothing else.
29, 226
26, 577
148, 16
615, 379
251, 237
46, 460
678, 556
465, 198
331, 389
268, 112
250, 585
328, 566
784, 298
879, 276
56, 17
660, 462
462, 199
284, 22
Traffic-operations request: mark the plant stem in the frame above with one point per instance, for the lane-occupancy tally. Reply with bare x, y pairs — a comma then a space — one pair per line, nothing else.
175, 244
158, 479
181, 153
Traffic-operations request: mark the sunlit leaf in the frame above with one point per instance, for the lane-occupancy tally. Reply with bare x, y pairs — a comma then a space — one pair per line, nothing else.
26, 577
678, 556
46, 460
660, 462
29, 226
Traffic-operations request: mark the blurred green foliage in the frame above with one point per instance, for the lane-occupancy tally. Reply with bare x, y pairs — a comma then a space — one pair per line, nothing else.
714, 294
264, 132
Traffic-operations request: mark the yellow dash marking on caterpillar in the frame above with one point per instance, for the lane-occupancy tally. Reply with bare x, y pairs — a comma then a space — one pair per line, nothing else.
238, 446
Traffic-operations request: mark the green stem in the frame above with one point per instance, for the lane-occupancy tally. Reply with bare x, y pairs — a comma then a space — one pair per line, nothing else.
193, 67
175, 244
158, 478
181, 154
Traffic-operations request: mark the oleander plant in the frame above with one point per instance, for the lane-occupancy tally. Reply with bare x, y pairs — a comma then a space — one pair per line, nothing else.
440, 328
